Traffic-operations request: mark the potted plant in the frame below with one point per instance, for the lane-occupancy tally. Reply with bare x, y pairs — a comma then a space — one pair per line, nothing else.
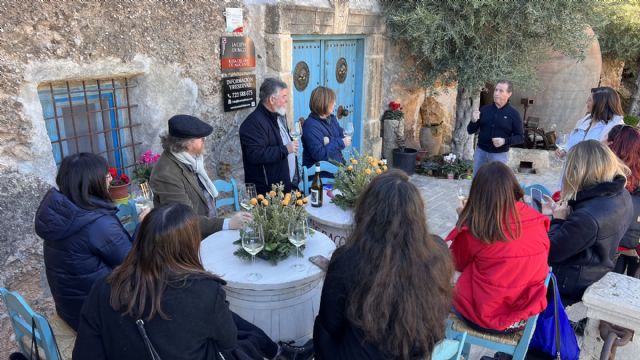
450, 166
404, 158
352, 178
119, 186
142, 172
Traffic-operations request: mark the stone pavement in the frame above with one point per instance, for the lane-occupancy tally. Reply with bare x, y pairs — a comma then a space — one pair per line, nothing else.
440, 196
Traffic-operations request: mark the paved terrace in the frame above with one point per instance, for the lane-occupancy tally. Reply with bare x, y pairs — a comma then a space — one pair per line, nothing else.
440, 196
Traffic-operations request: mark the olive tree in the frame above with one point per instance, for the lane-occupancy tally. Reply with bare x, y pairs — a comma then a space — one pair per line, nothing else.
476, 42
617, 25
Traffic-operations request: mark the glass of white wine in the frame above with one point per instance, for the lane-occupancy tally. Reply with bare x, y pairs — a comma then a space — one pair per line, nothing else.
253, 243
246, 196
298, 233
463, 194
296, 131
348, 128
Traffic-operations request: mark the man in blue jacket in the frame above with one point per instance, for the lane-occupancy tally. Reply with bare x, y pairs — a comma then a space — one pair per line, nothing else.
499, 126
268, 151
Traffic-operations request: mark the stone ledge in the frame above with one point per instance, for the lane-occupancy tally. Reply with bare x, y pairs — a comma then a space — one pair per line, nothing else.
615, 298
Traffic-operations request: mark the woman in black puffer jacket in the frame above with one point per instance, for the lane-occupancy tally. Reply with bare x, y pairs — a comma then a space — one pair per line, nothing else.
592, 217
83, 239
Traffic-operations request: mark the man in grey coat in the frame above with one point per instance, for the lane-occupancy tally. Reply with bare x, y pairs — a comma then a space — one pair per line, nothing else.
180, 177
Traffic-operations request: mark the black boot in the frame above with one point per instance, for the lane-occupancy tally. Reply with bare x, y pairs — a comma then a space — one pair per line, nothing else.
291, 352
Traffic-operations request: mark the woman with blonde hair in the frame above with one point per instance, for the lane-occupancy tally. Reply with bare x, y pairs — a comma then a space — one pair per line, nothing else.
500, 245
322, 137
591, 218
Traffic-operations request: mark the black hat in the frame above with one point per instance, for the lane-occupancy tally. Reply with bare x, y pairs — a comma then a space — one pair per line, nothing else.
187, 127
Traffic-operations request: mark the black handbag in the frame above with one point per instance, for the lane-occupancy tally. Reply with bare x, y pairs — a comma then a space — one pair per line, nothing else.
152, 351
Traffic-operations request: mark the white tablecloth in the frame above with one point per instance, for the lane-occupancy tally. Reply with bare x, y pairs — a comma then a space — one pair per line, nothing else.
283, 302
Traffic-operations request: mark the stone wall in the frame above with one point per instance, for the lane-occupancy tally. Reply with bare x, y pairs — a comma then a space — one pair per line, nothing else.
168, 49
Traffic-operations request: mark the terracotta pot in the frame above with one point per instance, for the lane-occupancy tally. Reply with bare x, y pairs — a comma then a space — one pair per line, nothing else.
119, 191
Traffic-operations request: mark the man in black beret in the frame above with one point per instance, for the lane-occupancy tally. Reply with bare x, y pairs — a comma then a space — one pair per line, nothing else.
180, 177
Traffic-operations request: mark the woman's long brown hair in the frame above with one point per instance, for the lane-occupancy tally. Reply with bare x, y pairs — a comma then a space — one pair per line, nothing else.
165, 252
403, 276
491, 208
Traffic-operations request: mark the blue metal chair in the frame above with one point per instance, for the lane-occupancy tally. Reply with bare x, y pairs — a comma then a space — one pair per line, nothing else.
128, 216
309, 172
449, 349
542, 188
229, 187
25, 323
515, 344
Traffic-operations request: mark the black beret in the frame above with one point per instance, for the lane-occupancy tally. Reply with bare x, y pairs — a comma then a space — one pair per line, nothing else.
187, 127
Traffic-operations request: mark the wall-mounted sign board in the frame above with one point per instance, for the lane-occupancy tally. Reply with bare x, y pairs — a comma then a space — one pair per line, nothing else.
237, 53
239, 92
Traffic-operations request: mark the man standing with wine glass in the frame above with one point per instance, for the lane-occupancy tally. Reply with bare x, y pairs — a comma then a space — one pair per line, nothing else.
268, 150
322, 137
499, 126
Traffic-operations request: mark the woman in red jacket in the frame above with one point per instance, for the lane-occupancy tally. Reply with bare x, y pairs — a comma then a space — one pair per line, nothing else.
500, 245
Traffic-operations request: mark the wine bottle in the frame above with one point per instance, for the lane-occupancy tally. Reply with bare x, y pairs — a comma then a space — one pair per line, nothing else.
316, 188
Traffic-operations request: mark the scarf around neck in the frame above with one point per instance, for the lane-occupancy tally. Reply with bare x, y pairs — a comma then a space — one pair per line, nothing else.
196, 164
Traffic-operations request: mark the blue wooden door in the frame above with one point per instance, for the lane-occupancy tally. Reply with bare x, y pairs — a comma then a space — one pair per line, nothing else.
336, 64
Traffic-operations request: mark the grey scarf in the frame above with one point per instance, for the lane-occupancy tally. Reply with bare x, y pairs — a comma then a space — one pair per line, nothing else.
197, 165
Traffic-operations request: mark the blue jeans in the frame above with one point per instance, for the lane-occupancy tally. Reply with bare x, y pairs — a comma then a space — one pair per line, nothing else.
481, 157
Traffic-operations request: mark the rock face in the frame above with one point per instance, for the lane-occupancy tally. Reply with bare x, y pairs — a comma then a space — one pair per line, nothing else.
563, 91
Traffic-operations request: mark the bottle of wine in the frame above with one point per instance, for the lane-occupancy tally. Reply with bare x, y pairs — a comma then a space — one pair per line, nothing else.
316, 188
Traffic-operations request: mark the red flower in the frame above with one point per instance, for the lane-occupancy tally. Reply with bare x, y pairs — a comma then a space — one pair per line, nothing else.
124, 178
393, 106
113, 172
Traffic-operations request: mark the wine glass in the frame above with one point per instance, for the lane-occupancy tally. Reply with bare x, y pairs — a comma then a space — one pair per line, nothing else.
253, 243
246, 196
296, 131
348, 128
142, 197
463, 193
561, 143
298, 232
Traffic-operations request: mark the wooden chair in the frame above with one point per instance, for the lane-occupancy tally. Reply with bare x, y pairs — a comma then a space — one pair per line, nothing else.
229, 187
514, 344
28, 325
309, 172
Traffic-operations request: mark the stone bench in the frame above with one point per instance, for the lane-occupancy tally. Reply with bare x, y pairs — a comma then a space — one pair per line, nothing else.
616, 299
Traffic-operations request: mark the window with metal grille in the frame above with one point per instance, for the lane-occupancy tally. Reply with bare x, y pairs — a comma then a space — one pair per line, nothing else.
91, 116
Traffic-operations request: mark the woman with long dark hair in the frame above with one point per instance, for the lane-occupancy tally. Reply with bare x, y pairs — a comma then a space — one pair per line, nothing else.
163, 283
500, 245
624, 141
593, 215
83, 238
604, 111
387, 291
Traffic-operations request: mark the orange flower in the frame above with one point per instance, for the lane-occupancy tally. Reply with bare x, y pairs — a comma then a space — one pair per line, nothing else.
299, 202
260, 197
298, 194
380, 163
349, 168
265, 202
272, 194
254, 201
354, 161
305, 200
378, 171
367, 171
384, 168
286, 200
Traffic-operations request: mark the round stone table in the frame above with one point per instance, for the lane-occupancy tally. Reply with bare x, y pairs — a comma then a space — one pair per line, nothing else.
330, 220
284, 302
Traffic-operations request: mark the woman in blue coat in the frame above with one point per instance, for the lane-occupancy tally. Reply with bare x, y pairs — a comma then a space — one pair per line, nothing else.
83, 239
322, 137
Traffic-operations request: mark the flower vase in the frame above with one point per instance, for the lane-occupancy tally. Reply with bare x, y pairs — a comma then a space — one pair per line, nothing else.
450, 176
119, 192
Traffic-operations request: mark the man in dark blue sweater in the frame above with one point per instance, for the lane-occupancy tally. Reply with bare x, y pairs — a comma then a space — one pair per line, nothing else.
500, 126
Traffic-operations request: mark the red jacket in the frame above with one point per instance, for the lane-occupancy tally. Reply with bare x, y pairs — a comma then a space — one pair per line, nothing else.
502, 283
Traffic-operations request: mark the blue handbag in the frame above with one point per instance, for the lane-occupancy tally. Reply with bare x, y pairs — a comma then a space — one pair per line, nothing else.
554, 335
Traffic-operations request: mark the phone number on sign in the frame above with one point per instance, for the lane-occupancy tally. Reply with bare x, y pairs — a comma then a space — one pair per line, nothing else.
242, 94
